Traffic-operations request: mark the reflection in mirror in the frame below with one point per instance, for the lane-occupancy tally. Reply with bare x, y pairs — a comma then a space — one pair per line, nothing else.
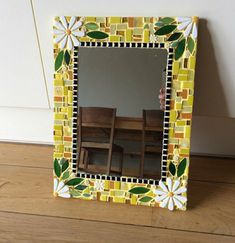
120, 117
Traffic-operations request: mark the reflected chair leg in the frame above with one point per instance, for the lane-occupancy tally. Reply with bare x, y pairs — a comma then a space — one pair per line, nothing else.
109, 161
141, 169
86, 163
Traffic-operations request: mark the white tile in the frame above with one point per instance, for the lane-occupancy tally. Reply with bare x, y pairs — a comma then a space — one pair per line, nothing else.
21, 79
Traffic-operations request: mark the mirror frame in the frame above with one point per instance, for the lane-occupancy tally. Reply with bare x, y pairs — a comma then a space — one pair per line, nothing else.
178, 35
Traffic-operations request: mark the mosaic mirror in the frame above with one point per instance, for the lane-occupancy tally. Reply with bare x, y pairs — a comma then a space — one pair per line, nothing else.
123, 97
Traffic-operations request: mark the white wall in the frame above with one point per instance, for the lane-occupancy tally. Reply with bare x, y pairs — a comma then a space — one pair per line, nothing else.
26, 65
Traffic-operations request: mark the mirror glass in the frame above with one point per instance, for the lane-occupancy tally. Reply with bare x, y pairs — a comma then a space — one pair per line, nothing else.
120, 117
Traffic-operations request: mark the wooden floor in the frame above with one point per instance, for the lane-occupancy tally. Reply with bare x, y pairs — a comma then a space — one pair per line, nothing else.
29, 213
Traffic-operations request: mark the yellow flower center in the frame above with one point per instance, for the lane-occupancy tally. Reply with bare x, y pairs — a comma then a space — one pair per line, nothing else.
68, 31
170, 194
194, 19
55, 194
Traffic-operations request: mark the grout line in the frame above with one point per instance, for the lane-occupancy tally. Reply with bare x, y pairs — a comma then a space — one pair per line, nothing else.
117, 223
40, 53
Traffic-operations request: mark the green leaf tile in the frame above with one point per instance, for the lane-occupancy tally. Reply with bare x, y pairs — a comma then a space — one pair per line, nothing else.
190, 44
181, 167
174, 36
80, 187
59, 60
172, 168
145, 199
65, 166
67, 57
57, 168
91, 26
167, 20
180, 49
74, 181
165, 30
139, 190
97, 35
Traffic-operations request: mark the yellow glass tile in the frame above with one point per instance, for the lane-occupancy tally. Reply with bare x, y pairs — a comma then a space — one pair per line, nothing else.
58, 138
173, 115
146, 36
180, 123
117, 185
184, 150
187, 132
134, 199
90, 19
58, 127
176, 67
171, 133
70, 112
128, 35
100, 19
58, 82
114, 20
58, 155
122, 26
70, 97
115, 38
192, 62
178, 106
103, 198
58, 133
65, 90
119, 199
184, 71
188, 85
182, 77
138, 21
59, 116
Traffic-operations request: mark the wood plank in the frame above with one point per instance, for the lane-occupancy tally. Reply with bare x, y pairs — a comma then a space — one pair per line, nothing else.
29, 190
201, 168
28, 228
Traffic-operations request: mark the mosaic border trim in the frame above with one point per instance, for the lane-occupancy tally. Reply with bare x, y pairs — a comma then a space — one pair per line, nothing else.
179, 36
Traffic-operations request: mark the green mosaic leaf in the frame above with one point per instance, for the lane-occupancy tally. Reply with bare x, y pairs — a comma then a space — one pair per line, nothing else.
62, 160
75, 193
180, 49
174, 44
146, 26
181, 167
91, 26
74, 182
57, 168
172, 168
167, 20
86, 195
67, 57
190, 44
59, 60
65, 166
97, 35
145, 199
66, 175
167, 29
139, 190
80, 187
159, 24
174, 36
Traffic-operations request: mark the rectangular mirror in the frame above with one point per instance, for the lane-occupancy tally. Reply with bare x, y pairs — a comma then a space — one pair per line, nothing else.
123, 103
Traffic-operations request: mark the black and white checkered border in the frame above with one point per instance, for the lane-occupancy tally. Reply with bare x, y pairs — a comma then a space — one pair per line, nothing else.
166, 113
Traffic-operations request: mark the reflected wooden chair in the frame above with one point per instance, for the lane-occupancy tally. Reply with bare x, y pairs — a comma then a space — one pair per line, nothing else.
152, 122
104, 118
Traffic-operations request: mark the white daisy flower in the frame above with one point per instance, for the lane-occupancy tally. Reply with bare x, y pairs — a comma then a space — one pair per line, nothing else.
67, 34
99, 185
188, 25
153, 38
60, 189
169, 195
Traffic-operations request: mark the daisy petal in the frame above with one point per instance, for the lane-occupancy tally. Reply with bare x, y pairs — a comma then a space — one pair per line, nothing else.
180, 198
59, 26
164, 202
65, 195
194, 31
72, 21
188, 30
75, 40
64, 42
177, 203
60, 185
76, 25
169, 184
55, 184
161, 198
64, 22
176, 185
160, 192
162, 185
183, 19
170, 204
180, 190
64, 189
183, 25
59, 38
70, 43
78, 33
58, 32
